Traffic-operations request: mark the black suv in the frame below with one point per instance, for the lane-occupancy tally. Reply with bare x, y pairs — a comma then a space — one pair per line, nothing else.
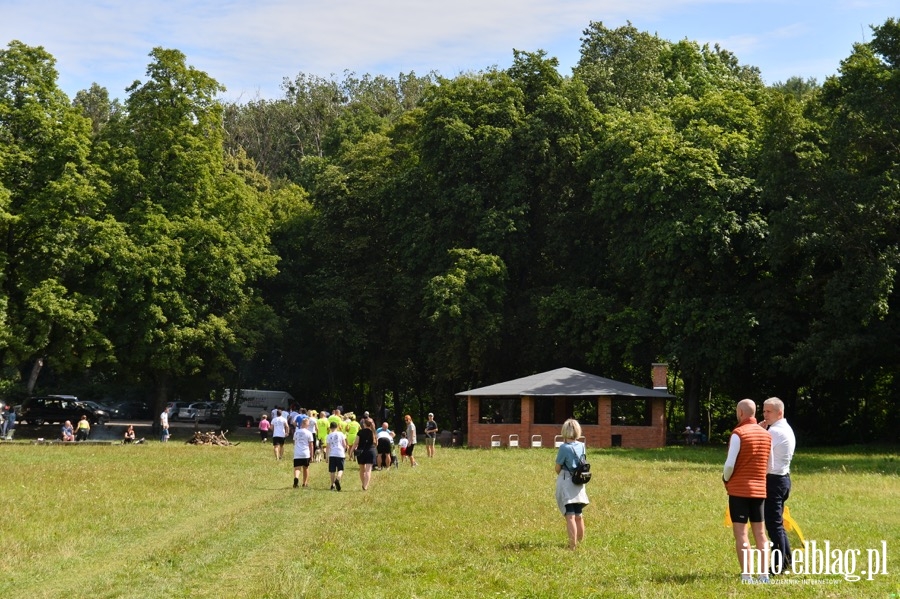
58, 408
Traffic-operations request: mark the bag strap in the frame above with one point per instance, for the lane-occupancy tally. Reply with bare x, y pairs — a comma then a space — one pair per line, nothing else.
577, 457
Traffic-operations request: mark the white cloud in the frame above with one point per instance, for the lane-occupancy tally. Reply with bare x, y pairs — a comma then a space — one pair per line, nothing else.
252, 45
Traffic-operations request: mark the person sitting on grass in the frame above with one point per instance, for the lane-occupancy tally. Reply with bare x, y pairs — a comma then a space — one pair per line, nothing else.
129, 434
68, 433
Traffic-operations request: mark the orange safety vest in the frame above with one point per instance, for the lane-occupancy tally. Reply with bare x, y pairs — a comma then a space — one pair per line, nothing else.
749, 476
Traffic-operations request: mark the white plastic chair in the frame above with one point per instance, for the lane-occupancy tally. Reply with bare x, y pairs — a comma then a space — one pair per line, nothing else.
514, 440
557, 441
537, 441
495, 440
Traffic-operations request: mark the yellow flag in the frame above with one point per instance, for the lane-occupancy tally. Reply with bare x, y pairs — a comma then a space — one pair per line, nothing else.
791, 524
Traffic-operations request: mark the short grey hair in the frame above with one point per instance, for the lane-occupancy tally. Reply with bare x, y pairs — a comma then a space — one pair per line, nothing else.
775, 403
570, 429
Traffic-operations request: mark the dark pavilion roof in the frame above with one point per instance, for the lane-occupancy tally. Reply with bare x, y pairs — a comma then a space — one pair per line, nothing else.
566, 382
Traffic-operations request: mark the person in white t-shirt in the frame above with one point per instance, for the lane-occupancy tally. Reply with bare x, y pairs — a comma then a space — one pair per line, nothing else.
312, 426
164, 425
303, 450
280, 428
336, 445
404, 444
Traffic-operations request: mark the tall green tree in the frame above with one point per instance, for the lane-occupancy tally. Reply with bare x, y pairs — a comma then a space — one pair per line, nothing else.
684, 230
622, 67
57, 241
197, 225
845, 227
95, 104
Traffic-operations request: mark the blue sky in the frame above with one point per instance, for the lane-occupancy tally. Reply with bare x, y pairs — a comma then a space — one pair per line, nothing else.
250, 46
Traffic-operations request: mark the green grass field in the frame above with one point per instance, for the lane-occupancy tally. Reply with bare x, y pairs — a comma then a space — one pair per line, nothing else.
177, 520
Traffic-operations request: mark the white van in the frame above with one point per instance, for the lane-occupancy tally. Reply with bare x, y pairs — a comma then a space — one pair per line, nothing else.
256, 402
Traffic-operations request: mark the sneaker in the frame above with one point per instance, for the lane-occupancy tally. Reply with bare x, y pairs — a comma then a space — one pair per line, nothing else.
296, 483
337, 484
332, 486
747, 579
763, 578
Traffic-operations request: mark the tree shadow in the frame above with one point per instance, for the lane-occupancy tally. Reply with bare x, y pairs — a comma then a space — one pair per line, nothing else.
876, 459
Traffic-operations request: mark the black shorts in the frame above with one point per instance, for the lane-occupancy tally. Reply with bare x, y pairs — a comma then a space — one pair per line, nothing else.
745, 508
335, 464
384, 446
277, 440
301, 462
366, 457
574, 509
409, 448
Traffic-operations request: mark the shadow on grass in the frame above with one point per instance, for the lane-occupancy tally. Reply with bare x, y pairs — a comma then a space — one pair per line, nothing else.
530, 545
877, 459
690, 578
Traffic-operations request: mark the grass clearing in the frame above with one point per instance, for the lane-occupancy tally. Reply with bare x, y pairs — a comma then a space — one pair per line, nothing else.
177, 520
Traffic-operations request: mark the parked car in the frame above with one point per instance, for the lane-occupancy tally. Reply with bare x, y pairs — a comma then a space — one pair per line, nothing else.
217, 412
133, 410
51, 409
113, 412
201, 411
173, 407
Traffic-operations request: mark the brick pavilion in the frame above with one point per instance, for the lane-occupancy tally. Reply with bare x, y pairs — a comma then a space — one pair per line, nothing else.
528, 412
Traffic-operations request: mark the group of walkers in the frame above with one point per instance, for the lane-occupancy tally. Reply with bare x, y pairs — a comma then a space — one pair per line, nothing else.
320, 435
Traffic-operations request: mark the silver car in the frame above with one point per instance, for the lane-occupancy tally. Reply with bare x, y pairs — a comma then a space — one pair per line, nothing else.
199, 412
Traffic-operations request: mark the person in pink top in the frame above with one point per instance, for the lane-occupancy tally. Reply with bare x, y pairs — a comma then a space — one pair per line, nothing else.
264, 427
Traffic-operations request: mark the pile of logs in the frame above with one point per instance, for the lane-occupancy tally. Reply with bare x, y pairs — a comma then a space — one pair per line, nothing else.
209, 438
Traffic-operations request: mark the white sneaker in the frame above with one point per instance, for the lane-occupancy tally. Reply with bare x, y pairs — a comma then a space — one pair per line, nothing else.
747, 579
763, 578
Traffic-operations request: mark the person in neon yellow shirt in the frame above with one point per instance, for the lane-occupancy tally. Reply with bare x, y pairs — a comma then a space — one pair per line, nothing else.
321, 429
83, 431
336, 417
352, 429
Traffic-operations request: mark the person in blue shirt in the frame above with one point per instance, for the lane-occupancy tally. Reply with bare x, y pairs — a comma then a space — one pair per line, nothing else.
570, 498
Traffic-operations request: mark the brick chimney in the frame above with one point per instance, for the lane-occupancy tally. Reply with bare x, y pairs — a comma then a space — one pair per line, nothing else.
659, 374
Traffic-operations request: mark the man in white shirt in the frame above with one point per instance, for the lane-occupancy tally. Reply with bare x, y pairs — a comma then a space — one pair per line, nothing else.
778, 481
303, 449
164, 425
280, 428
336, 444
384, 442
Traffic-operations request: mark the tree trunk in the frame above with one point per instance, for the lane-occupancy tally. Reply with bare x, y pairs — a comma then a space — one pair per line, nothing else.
692, 385
163, 389
35, 371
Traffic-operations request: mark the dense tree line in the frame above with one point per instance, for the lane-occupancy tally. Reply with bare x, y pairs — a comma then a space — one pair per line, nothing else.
380, 242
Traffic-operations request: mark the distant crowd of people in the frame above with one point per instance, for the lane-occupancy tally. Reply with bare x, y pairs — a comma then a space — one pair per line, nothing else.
319, 435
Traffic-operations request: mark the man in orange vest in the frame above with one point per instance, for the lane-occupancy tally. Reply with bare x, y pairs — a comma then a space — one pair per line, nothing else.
745, 481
